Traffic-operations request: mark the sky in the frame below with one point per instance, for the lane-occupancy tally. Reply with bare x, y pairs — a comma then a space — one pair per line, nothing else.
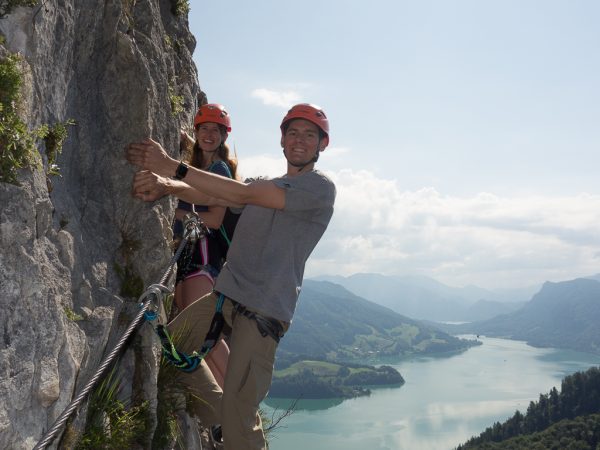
465, 137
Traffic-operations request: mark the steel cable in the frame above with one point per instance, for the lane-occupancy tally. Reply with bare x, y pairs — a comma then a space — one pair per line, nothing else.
192, 233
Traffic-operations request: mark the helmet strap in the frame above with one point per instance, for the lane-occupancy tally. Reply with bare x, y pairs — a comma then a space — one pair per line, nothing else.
301, 166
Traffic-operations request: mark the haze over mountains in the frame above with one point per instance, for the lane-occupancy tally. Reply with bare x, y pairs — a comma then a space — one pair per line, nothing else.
562, 315
424, 298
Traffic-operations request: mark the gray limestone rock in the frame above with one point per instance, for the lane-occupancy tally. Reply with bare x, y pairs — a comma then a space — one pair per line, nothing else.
111, 66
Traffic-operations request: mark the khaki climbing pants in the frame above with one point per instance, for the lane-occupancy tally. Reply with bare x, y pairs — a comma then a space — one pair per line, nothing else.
248, 376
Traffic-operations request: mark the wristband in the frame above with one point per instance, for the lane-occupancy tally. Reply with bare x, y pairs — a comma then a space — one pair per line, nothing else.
181, 172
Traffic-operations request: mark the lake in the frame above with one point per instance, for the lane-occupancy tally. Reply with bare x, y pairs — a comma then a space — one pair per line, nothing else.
444, 402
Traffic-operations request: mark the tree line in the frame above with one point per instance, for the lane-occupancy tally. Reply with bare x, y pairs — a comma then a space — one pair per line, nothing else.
571, 416
344, 384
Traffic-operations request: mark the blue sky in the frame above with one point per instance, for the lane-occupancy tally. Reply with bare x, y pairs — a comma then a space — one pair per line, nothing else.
464, 136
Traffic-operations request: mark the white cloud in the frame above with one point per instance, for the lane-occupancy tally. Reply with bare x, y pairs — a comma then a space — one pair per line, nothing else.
335, 152
262, 165
485, 239
283, 99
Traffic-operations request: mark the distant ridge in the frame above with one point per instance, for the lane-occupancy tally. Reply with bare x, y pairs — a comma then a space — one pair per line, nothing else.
562, 315
424, 298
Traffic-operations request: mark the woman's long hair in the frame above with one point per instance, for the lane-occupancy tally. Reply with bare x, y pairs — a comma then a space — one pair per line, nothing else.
223, 152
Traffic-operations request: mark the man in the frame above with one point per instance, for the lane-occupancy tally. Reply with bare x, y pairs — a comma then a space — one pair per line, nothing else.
281, 223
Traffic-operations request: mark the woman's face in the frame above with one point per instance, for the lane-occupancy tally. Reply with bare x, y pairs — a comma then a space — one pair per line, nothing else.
208, 136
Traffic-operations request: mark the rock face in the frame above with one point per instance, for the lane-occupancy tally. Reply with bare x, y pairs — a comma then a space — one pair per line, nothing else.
113, 66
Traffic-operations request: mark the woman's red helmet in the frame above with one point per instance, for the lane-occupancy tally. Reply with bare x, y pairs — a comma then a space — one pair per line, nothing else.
213, 112
307, 111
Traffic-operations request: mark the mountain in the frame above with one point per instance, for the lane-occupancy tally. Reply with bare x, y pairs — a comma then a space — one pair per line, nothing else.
485, 309
332, 323
428, 299
563, 315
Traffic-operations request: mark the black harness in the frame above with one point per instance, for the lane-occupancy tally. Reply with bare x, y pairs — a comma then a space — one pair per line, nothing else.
267, 326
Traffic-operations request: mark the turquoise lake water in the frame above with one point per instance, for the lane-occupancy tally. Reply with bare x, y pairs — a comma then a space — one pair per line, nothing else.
444, 402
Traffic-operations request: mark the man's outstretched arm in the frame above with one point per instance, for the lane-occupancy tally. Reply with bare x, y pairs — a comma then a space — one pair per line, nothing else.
211, 189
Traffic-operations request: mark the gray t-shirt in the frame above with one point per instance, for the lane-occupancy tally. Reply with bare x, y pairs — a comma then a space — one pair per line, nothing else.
265, 263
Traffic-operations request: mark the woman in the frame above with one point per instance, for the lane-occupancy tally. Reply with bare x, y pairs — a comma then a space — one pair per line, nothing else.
201, 262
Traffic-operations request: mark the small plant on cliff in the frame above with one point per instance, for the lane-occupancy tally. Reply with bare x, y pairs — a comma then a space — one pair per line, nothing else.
173, 397
72, 315
174, 43
7, 6
170, 400
176, 102
180, 7
17, 143
111, 423
54, 137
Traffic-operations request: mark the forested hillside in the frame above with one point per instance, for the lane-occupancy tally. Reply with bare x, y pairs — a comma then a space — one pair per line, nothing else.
332, 323
569, 419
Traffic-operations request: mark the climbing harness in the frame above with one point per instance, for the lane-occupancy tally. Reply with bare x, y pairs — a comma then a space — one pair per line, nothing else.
179, 359
209, 254
149, 306
266, 325
183, 361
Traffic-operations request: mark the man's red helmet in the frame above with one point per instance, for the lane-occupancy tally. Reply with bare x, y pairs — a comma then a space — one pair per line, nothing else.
307, 111
213, 112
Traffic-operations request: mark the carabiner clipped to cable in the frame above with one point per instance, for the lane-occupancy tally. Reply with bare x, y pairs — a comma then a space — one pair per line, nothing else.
155, 296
